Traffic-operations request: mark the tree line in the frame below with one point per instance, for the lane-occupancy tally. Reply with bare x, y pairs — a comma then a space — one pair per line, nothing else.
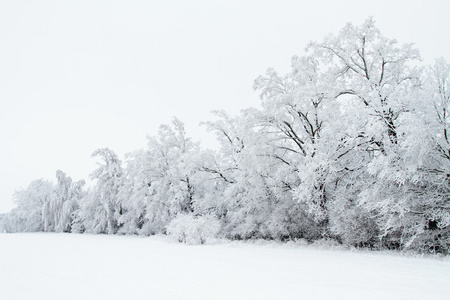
352, 144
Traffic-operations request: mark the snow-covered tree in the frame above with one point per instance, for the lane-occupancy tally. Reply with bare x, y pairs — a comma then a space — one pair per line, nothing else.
337, 115
28, 214
101, 209
296, 114
416, 209
372, 68
253, 198
160, 181
59, 209
134, 192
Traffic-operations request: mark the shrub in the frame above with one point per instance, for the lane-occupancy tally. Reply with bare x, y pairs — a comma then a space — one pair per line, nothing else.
194, 230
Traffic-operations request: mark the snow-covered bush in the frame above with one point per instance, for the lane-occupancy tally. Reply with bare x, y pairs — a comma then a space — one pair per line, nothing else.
328, 244
194, 230
353, 225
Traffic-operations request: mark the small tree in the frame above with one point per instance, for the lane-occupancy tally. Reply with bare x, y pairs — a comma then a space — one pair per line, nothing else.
29, 213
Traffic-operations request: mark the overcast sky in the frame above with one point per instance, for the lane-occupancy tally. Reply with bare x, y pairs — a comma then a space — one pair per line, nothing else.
80, 75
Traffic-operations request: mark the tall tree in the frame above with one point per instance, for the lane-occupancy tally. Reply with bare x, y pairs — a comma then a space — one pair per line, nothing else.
364, 64
160, 181
104, 199
296, 116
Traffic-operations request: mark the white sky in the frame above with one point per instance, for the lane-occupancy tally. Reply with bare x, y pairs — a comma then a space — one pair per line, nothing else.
80, 75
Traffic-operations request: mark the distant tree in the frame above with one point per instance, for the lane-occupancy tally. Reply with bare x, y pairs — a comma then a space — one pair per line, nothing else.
134, 192
59, 209
102, 208
28, 214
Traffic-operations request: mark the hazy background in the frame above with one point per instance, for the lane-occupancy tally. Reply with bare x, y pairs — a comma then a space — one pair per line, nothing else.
80, 75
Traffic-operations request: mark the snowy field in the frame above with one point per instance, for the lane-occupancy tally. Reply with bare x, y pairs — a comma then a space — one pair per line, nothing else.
71, 266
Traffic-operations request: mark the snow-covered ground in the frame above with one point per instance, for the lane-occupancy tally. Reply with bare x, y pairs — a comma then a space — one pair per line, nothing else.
71, 266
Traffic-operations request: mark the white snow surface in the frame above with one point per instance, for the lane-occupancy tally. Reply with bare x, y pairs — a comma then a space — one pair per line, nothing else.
74, 266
